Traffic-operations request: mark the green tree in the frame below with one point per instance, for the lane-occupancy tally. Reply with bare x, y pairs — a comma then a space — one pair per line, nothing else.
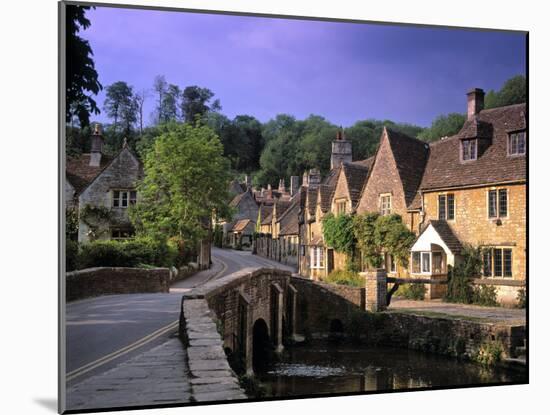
196, 101
159, 87
186, 180
81, 77
338, 233
514, 91
120, 104
443, 126
170, 101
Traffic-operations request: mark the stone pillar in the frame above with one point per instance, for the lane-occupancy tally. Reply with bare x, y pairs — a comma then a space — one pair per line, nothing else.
376, 289
293, 294
278, 329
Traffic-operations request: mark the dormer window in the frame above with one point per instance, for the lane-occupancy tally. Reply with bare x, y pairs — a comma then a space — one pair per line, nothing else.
469, 150
516, 144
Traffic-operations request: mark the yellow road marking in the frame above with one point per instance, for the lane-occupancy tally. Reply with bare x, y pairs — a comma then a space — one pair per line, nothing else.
121, 352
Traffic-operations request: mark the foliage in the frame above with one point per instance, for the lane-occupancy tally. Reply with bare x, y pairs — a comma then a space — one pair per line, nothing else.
521, 298
95, 217
514, 91
120, 104
413, 291
195, 102
131, 253
443, 126
81, 75
71, 223
338, 233
217, 236
71, 255
186, 180
377, 234
352, 279
489, 353
485, 295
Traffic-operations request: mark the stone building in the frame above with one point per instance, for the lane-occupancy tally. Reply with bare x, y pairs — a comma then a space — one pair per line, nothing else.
102, 188
474, 191
239, 231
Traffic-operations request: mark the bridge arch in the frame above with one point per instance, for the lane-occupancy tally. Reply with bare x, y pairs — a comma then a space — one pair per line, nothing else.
261, 344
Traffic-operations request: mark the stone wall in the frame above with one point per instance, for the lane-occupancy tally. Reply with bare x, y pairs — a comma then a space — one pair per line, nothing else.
93, 282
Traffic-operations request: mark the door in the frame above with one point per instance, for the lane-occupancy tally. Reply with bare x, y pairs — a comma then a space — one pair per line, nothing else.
330, 260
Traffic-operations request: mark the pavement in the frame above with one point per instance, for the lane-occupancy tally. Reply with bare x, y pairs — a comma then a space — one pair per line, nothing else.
115, 343
433, 307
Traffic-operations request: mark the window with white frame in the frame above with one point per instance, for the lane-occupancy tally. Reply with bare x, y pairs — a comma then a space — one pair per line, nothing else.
124, 198
317, 257
497, 203
415, 263
340, 207
385, 205
425, 261
469, 150
516, 144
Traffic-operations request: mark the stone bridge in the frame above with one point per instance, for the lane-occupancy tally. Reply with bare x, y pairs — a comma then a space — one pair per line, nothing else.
255, 310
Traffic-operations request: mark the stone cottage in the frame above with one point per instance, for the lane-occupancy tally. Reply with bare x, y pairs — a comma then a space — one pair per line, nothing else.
102, 188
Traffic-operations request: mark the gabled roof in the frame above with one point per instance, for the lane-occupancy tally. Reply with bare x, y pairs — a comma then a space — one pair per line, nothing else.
325, 196
365, 163
445, 168
237, 199
437, 232
268, 219
311, 200
79, 172
289, 220
280, 207
411, 156
356, 175
241, 225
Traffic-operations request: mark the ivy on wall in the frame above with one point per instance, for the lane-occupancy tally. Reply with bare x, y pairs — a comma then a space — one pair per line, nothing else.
94, 217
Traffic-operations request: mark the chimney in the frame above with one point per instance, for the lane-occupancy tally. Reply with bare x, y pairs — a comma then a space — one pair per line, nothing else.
341, 150
281, 186
294, 184
97, 146
314, 178
305, 181
476, 98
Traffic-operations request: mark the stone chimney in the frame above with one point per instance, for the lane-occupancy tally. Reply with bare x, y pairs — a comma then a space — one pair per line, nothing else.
305, 179
281, 188
341, 150
314, 178
476, 101
97, 146
294, 184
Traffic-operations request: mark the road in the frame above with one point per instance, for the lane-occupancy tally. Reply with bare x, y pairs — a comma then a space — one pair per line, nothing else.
105, 331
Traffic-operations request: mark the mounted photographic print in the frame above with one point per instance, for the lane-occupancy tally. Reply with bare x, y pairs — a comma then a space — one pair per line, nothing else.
261, 207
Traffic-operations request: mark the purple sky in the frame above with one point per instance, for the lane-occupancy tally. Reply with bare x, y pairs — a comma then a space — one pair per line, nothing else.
344, 72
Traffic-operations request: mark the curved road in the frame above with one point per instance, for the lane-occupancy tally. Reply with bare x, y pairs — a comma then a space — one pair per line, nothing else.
104, 331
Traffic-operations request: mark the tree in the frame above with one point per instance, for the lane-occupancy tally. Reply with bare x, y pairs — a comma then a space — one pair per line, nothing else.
196, 102
159, 86
170, 103
140, 98
514, 91
186, 180
443, 126
82, 79
120, 103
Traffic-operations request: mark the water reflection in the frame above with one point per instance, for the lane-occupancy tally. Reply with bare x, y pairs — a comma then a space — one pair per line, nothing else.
328, 368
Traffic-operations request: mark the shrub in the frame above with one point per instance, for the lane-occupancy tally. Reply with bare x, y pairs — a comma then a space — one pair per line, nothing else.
71, 255
133, 253
489, 353
522, 298
413, 291
485, 295
350, 278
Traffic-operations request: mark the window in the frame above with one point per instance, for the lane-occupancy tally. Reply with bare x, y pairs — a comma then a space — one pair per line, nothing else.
124, 198
416, 262
516, 144
122, 233
437, 262
469, 150
341, 207
446, 208
317, 257
497, 262
425, 262
498, 203
385, 205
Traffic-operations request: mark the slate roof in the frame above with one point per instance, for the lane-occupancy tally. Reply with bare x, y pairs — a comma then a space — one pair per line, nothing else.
356, 175
447, 235
289, 220
237, 199
325, 196
411, 156
311, 200
445, 168
365, 163
79, 172
281, 206
267, 220
241, 225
